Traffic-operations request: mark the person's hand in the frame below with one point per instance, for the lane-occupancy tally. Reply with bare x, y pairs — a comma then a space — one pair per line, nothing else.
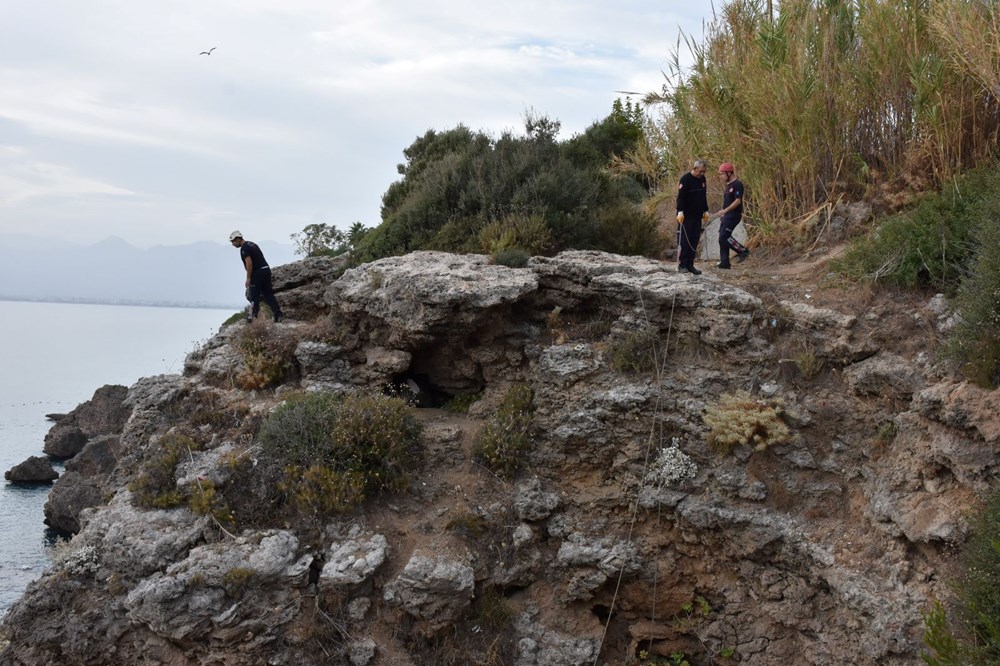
705, 217
247, 283
680, 217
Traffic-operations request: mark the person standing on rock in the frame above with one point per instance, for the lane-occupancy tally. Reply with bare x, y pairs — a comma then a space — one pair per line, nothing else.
692, 210
258, 282
731, 214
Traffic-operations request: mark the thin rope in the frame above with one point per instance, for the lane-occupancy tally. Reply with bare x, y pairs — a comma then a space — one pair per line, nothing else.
657, 409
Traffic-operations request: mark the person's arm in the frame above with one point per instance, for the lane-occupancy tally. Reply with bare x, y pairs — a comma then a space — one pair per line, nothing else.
733, 206
681, 201
248, 262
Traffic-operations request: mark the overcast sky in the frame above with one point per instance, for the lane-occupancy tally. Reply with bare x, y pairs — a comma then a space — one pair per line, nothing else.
112, 124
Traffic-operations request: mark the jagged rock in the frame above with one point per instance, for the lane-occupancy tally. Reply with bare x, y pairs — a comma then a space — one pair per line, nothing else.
98, 457
323, 364
55, 417
831, 333
136, 542
569, 362
64, 440
198, 592
361, 652
70, 495
532, 503
542, 646
299, 285
433, 589
963, 406
105, 413
884, 374
354, 560
205, 467
33, 470
422, 292
594, 561
388, 361
155, 392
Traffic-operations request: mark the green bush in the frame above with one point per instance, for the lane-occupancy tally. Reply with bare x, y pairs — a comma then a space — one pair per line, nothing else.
738, 419
336, 451
629, 231
268, 355
975, 340
513, 257
974, 636
505, 440
529, 233
156, 485
636, 351
928, 246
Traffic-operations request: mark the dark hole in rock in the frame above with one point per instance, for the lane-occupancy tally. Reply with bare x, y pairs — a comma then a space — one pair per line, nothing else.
602, 612
417, 390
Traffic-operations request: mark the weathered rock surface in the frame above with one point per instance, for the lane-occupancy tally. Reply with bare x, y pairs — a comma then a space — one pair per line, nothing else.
433, 589
623, 531
33, 470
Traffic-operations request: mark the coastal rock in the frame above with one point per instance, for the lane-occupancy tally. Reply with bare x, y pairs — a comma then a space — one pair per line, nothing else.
884, 374
105, 413
33, 470
70, 495
433, 589
532, 503
98, 457
299, 285
353, 561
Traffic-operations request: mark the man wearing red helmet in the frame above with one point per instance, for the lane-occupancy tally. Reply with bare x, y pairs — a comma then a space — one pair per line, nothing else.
731, 214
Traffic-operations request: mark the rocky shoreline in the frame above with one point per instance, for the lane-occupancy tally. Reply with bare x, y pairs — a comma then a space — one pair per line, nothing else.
625, 533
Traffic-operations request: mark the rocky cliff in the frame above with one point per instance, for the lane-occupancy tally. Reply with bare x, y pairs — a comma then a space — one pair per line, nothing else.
635, 528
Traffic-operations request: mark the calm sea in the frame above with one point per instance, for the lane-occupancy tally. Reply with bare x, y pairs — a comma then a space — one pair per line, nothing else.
53, 356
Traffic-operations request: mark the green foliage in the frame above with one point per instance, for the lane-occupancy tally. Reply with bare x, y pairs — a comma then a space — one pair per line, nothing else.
636, 351
975, 340
629, 230
739, 419
236, 579
831, 97
973, 635
235, 318
513, 257
324, 239
336, 451
462, 191
526, 232
887, 431
808, 363
460, 404
268, 355
156, 485
928, 246
503, 443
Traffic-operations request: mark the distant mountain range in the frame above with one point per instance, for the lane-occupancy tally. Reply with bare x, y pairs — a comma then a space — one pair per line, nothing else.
112, 271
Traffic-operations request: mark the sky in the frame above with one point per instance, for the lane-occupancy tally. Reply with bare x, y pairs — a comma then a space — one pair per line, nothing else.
112, 122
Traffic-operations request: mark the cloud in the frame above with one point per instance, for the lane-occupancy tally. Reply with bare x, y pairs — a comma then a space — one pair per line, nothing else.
23, 179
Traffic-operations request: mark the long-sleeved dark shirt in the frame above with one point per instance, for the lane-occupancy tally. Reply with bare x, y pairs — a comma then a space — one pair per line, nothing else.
692, 196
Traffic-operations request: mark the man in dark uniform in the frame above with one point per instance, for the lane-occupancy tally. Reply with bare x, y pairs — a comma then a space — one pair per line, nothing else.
258, 282
692, 210
731, 214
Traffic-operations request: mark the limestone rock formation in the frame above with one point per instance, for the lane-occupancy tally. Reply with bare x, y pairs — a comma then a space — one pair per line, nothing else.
33, 470
625, 528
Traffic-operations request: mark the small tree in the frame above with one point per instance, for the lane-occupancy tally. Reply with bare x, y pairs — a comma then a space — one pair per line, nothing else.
320, 239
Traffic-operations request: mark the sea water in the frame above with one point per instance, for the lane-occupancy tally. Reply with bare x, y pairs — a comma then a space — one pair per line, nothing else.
53, 356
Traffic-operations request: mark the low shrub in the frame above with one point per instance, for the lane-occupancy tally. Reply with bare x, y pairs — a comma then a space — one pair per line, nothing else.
671, 467
156, 485
630, 231
975, 340
738, 419
927, 246
512, 257
973, 635
636, 351
268, 355
236, 579
502, 444
460, 404
528, 233
336, 451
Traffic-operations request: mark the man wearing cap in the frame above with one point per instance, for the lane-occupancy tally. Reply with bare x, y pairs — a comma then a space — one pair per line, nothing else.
731, 214
258, 282
692, 210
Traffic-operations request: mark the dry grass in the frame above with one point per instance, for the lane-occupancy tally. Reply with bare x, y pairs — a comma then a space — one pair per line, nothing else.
831, 98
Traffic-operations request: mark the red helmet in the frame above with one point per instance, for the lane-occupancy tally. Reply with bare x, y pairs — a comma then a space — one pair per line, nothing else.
726, 167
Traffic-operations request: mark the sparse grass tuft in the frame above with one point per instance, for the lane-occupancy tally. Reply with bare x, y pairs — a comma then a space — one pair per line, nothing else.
636, 351
504, 441
156, 485
268, 355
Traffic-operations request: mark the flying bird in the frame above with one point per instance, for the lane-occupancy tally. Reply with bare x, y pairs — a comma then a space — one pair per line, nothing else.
208, 52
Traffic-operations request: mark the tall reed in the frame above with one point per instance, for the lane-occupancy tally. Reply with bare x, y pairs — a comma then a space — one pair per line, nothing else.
831, 97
